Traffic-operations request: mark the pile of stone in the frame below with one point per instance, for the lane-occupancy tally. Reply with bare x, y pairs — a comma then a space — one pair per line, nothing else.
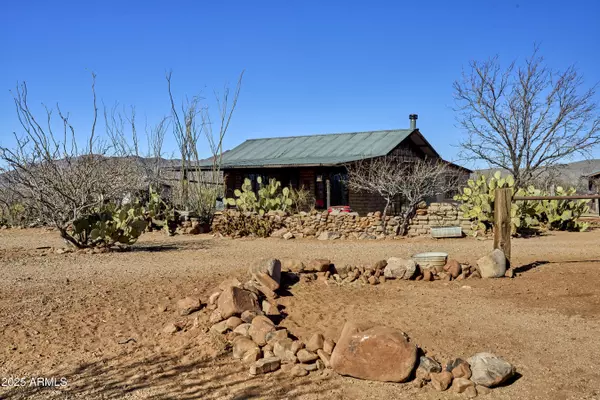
489, 266
247, 315
477, 375
385, 354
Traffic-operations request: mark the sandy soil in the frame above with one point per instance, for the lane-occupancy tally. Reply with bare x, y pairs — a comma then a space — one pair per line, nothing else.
69, 316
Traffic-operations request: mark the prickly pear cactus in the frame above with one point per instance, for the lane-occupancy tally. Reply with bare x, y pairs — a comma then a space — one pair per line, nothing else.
478, 200
160, 214
478, 205
564, 214
110, 225
270, 197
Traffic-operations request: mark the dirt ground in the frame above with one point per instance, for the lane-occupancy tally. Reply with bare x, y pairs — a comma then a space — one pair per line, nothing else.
70, 316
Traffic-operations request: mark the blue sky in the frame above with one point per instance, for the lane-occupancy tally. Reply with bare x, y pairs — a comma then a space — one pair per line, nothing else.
311, 66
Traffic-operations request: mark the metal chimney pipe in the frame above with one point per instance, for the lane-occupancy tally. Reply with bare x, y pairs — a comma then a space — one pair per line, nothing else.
413, 121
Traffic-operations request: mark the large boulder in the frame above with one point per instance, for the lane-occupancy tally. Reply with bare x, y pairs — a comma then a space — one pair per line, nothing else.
271, 267
489, 370
398, 268
375, 353
493, 265
234, 301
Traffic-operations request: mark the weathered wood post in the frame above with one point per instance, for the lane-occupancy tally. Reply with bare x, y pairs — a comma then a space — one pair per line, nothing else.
502, 223
328, 192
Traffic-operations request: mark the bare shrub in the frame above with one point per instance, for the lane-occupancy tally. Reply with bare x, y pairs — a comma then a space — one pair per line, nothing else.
199, 188
59, 178
411, 181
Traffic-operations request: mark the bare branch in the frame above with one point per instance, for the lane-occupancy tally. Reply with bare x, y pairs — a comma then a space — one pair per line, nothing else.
525, 119
412, 181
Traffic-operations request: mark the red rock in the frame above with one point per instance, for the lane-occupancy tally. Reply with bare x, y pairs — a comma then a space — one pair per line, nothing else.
297, 346
233, 322
242, 345
270, 266
427, 275
219, 327
213, 298
453, 268
462, 370
470, 392
276, 335
268, 293
315, 342
188, 305
292, 265
441, 381
227, 283
318, 265
305, 356
376, 353
215, 317
234, 301
265, 280
259, 328
459, 385
252, 356
325, 358
269, 307
298, 371
328, 346
171, 328
265, 365
248, 316
242, 329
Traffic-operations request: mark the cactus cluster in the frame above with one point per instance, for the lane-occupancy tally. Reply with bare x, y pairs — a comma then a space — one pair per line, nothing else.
270, 197
478, 205
110, 224
478, 201
159, 214
564, 214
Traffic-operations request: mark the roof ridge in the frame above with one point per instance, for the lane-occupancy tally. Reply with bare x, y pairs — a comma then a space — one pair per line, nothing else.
331, 134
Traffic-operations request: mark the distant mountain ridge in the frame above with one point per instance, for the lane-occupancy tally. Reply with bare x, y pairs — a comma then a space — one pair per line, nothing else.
572, 174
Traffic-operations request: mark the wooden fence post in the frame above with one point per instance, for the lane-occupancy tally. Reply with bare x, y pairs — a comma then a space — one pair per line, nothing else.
328, 192
502, 223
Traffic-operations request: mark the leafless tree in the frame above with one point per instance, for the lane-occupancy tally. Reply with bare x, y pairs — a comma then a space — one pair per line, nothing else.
410, 181
199, 187
57, 179
525, 118
155, 136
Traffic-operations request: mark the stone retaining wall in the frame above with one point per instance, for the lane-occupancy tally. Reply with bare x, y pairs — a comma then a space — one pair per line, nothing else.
326, 225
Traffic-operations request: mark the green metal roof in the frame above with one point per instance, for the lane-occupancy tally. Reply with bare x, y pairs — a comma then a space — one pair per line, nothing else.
328, 149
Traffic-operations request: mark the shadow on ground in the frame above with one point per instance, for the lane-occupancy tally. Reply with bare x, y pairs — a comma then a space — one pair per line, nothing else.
170, 376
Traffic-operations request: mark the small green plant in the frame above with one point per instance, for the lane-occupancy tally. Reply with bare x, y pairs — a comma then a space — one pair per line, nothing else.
271, 197
302, 200
109, 225
240, 224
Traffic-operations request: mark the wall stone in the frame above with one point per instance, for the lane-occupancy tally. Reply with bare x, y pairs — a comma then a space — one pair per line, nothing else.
353, 226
